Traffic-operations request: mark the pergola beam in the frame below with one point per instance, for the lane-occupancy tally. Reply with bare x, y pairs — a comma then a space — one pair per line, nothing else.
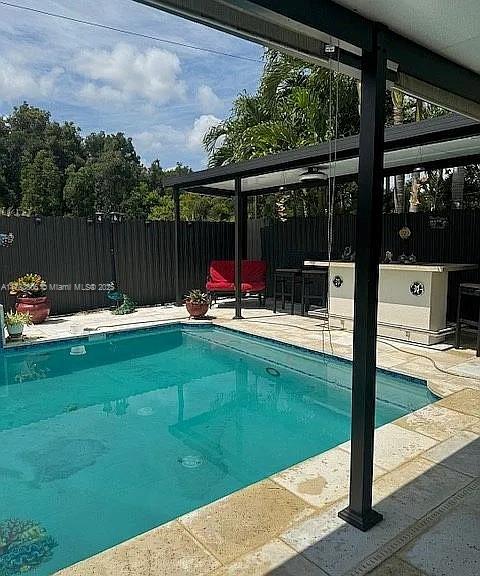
451, 127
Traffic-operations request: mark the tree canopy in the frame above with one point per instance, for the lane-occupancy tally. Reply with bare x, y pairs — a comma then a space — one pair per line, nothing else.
48, 168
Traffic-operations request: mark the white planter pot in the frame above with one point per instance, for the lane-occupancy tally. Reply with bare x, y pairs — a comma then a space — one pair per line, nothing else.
15, 331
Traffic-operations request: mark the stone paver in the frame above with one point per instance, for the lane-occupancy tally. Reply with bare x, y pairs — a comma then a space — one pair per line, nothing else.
272, 559
337, 547
232, 526
320, 480
452, 546
165, 551
395, 445
437, 421
419, 486
460, 452
466, 401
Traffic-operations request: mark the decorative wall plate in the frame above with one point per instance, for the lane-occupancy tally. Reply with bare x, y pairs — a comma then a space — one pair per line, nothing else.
417, 288
337, 281
405, 233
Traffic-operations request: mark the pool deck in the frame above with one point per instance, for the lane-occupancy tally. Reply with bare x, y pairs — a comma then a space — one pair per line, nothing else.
427, 478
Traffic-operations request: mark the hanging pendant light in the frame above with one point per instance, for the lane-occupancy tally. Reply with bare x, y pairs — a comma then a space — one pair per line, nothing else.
314, 175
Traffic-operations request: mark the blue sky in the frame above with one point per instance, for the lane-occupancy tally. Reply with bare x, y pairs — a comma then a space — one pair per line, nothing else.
163, 96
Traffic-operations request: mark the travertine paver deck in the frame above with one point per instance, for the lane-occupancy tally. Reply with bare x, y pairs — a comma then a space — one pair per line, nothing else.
426, 481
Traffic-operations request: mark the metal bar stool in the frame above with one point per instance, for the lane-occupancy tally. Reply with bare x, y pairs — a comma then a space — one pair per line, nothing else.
309, 277
285, 276
467, 290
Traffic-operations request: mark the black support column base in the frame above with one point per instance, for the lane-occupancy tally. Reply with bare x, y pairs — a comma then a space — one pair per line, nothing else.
238, 317
362, 522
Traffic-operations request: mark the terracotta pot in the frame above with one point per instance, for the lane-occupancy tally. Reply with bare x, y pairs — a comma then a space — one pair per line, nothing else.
196, 310
38, 308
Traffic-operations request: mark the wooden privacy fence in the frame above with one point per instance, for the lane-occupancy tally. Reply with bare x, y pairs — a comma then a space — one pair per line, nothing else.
73, 255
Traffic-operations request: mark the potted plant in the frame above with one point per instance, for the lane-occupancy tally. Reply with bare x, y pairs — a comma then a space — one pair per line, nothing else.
15, 321
197, 303
30, 292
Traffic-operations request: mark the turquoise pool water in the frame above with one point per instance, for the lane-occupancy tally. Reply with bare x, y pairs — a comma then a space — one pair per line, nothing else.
148, 425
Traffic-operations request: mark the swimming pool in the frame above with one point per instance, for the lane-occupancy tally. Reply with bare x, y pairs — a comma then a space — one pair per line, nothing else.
104, 442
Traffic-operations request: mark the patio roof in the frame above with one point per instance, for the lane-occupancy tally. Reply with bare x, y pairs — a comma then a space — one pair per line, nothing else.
446, 141
437, 61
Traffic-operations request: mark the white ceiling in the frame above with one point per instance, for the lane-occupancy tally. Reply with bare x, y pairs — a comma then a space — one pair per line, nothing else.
449, 27
417, 155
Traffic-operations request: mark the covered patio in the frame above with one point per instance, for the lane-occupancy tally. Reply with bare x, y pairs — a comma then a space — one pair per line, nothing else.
383, 48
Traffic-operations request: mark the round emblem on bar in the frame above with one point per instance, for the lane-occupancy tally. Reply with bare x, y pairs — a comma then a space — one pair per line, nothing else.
337, 281
417, 288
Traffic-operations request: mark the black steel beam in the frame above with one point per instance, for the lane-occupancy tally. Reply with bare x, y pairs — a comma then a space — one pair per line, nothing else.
416, 61
239, 244
359, 512
326, 16
177, 243
429, 131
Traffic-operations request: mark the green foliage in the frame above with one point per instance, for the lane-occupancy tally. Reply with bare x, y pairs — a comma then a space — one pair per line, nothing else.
41, 185
79, 191
126, 307
290, 109
197, 297
16, 318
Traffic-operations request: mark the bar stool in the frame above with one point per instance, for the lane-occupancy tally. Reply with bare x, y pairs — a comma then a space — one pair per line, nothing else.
310, 277
285, 276
467, 289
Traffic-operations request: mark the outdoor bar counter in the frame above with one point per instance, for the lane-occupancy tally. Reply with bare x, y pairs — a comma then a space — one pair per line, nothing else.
412, 299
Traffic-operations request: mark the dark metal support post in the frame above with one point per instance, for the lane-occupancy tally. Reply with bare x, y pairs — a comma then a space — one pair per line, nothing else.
176, 210
359, 512
245, 227
239, 245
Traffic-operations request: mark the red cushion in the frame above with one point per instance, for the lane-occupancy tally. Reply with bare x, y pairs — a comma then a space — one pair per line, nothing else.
222, 271
222, 276
253, 286
220, 286
254, 270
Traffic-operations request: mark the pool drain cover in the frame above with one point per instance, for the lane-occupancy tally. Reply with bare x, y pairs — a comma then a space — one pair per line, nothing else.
191, 461
145, 411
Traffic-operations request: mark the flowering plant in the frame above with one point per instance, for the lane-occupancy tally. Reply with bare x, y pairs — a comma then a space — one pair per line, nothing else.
30, 285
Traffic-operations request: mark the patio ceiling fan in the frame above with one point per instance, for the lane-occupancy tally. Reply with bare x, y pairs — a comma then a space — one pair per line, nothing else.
314, 175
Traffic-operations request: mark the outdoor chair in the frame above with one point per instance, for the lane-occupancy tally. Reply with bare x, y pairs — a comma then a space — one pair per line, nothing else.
221, 279
467, 289
287, 278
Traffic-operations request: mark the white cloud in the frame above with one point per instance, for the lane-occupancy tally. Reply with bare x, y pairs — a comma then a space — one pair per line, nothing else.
17, 81
159, 138
194, 139
208, 100
125, 72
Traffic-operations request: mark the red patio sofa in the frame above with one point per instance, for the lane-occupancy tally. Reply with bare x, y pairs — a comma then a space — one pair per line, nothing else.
221, 278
